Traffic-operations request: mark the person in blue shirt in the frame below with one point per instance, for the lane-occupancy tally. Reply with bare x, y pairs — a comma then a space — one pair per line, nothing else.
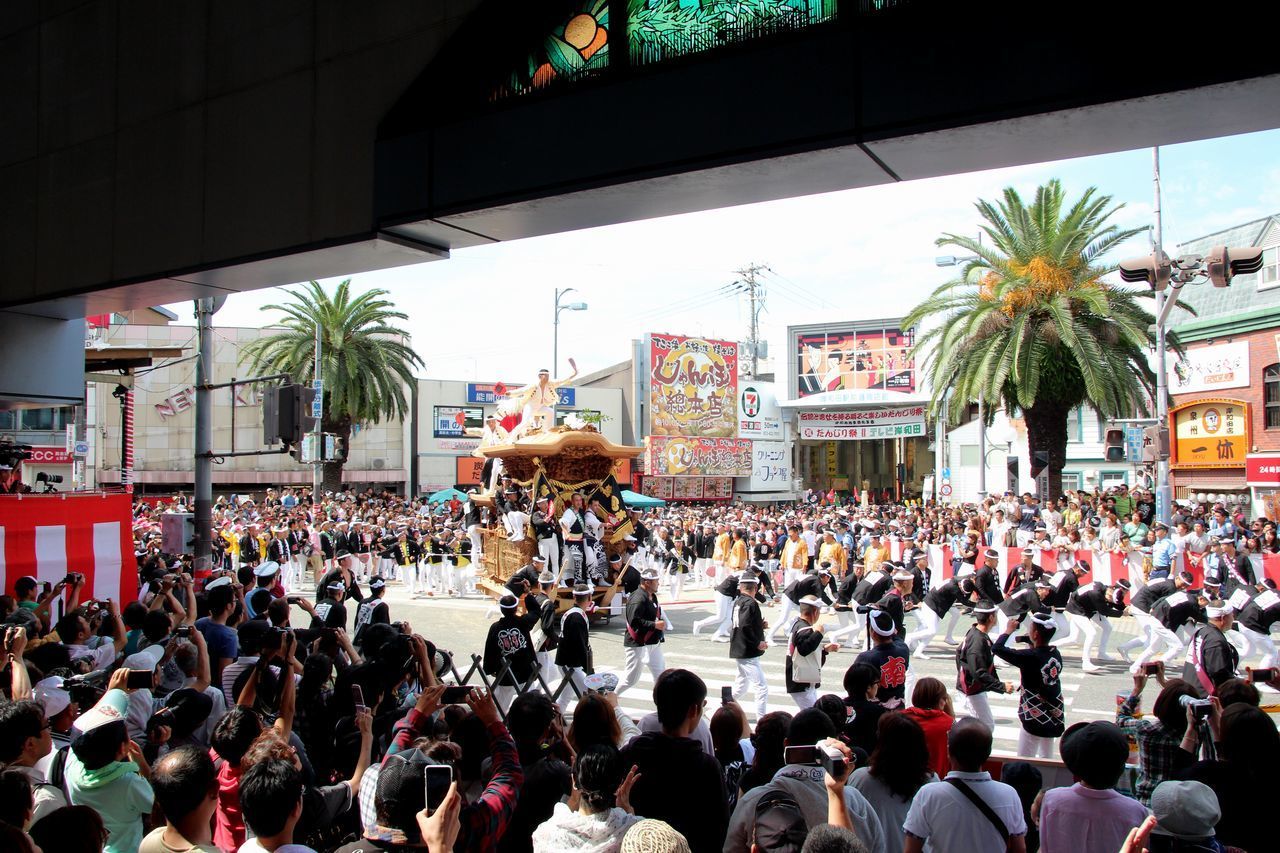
1221, 525
1163, 553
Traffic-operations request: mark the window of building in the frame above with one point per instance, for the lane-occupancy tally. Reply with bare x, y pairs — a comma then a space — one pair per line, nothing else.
1271, 395
9, 420
1269, 275
40, 419
969, 456
1070, 482
1075, 424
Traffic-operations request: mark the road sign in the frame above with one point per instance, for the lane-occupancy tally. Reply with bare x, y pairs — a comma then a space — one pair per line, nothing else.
946, 473
315, 407
945, 490
1133, 440
81, 448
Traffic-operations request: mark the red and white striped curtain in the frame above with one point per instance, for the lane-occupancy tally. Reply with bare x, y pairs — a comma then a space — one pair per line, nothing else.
47, 536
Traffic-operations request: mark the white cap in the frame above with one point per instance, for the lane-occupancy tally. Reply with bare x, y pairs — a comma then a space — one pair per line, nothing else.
51, 696
225, 580
1218, 609
267, 569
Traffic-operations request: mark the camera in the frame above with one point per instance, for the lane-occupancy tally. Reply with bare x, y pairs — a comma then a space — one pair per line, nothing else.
828, 758
11, 454
1199, 707
182, 632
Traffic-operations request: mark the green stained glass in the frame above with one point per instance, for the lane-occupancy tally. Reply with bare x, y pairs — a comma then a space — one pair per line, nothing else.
663, 29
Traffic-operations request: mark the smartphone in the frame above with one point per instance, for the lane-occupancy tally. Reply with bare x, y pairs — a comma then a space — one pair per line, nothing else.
455, 695
437, 778
182, 631
293, 599
70, 579
139, 679
1151, 668
357, 696
726, 694
1260, 676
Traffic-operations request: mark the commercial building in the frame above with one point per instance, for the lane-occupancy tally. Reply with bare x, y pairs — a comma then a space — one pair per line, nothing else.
1225, 409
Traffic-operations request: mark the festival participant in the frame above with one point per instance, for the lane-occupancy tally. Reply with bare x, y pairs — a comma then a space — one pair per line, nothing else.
1211, 658
573, 527
987, 577
938, 602
747, 644
548, 622
573, 652
537, 402
509, 646
890, 657
544, 530
645, 629
832, 552
1151, 630
1256, 619
795, 556
1063, 583
975, 665
1040, 707
373, 610
1091, 607
720, 549
704, 545
809, 584
897, 601
1028, 598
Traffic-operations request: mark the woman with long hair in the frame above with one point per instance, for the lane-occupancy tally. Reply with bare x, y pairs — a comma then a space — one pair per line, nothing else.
899, 766
729, 730
770, 741
596, 720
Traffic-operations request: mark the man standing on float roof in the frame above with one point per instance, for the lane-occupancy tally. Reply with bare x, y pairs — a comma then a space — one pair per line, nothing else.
537, 402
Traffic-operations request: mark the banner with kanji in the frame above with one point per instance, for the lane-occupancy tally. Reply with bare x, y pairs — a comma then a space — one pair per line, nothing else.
714, 457
48, 536
693, 387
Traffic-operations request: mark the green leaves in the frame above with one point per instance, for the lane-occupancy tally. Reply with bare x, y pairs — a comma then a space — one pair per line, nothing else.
564, 57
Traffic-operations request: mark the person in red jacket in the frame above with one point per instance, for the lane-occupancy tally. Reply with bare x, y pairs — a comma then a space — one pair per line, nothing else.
931, 708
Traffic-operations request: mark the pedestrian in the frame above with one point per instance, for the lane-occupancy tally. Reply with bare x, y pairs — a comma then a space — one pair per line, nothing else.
747, 644
645, 632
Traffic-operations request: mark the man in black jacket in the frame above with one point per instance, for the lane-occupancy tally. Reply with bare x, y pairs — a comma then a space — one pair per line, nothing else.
1151, 633
747, 644
678, 782
987, 577
938, 602
1028, 598
509, 642
889, 655
1256, 619
811, 583
645, 627
1040, 707
573, 652
976, 667
1211, 659
1063, 583
806, 654
548, 622
1091, 607
704, 545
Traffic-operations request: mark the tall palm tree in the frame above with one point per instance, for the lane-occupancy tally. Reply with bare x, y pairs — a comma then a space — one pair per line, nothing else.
366, 361
1030, 323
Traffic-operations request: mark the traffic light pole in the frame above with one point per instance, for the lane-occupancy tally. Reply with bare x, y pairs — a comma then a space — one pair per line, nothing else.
317, 382
203, 515
1164, 492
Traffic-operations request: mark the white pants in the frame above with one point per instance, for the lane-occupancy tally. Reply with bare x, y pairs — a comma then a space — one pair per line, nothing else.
1240, 641
1034, 746
1160, 635
549, 549
567, 696
979, 707
365, 561
1072, 634
724, 613
700, 567
805, 699
547, 669
298, 562
616, 603
917, 640
1024, 537
790, 576
437, 574
635, 656
1263, 643
790, 613
750, 671
850, 626
952, 618
1147, 627
675, 586
503, 696
1089, 629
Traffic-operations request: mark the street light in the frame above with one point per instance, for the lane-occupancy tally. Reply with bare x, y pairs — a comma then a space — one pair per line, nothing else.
555, 334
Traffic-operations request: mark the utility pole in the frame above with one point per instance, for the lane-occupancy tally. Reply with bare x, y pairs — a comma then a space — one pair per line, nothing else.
203, 516
317, 382
1164, 493
755, 292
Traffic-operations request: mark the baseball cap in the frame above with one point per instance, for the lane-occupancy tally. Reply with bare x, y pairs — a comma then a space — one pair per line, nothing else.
780, 826
1185, 810
49, 693
267, 569
401, 793
111, 708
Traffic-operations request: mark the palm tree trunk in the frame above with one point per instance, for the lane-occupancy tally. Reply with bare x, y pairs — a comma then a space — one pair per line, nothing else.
1047, 431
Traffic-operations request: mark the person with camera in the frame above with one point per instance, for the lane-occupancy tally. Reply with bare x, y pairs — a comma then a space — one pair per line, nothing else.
1090, 608
1159, 733
1041, 710
76, 633
1211, 658
812, 755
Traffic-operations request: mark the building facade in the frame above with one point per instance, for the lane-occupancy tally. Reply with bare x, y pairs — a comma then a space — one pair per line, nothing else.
1225, 391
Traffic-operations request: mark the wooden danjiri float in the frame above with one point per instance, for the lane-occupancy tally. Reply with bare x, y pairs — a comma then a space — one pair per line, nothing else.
556, 464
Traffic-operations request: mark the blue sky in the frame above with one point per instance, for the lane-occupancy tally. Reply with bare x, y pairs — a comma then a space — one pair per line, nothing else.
858, 254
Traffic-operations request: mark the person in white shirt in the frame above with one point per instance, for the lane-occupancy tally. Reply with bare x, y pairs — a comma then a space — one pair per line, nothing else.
946, 814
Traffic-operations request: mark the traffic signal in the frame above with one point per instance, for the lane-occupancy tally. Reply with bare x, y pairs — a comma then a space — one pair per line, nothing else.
1222, 263
286, 414
1113, 446
1039, 461
1154, 271
1155, 443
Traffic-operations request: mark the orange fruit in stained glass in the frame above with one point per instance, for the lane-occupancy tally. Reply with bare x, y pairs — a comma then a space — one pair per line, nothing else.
580, 31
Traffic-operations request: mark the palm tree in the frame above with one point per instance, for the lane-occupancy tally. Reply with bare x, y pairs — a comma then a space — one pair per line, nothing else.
1030, 323
366, 361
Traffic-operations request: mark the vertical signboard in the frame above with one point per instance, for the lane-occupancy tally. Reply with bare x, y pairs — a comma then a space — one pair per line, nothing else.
693, 387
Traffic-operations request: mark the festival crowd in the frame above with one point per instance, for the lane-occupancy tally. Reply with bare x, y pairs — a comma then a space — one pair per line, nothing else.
275, 704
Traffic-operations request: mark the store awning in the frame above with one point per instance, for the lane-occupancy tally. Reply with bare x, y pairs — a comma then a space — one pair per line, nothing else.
844, 399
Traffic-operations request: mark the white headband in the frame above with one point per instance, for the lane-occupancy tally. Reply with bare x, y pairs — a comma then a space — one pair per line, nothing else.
875, 616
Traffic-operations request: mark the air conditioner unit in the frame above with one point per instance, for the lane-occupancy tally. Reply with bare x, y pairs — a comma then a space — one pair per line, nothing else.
378, 464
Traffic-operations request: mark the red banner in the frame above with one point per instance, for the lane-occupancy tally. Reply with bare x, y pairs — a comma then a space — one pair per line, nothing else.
47, 536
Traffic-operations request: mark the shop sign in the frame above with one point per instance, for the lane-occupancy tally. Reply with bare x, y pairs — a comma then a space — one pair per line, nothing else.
759, 416
1262, 470
693, 387
721, 457
864, 424
1211, 368
1212, 433
454, 421
495, 392
770, 467
50, 455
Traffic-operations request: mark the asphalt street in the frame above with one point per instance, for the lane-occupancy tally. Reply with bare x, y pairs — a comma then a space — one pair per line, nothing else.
461, 626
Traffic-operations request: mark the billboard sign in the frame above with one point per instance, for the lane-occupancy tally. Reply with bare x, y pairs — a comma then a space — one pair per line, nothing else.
770, 467
853, 357
759, 416
864, 424
1211, 368
693, 387
1212, 433
717, 457
454, 421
